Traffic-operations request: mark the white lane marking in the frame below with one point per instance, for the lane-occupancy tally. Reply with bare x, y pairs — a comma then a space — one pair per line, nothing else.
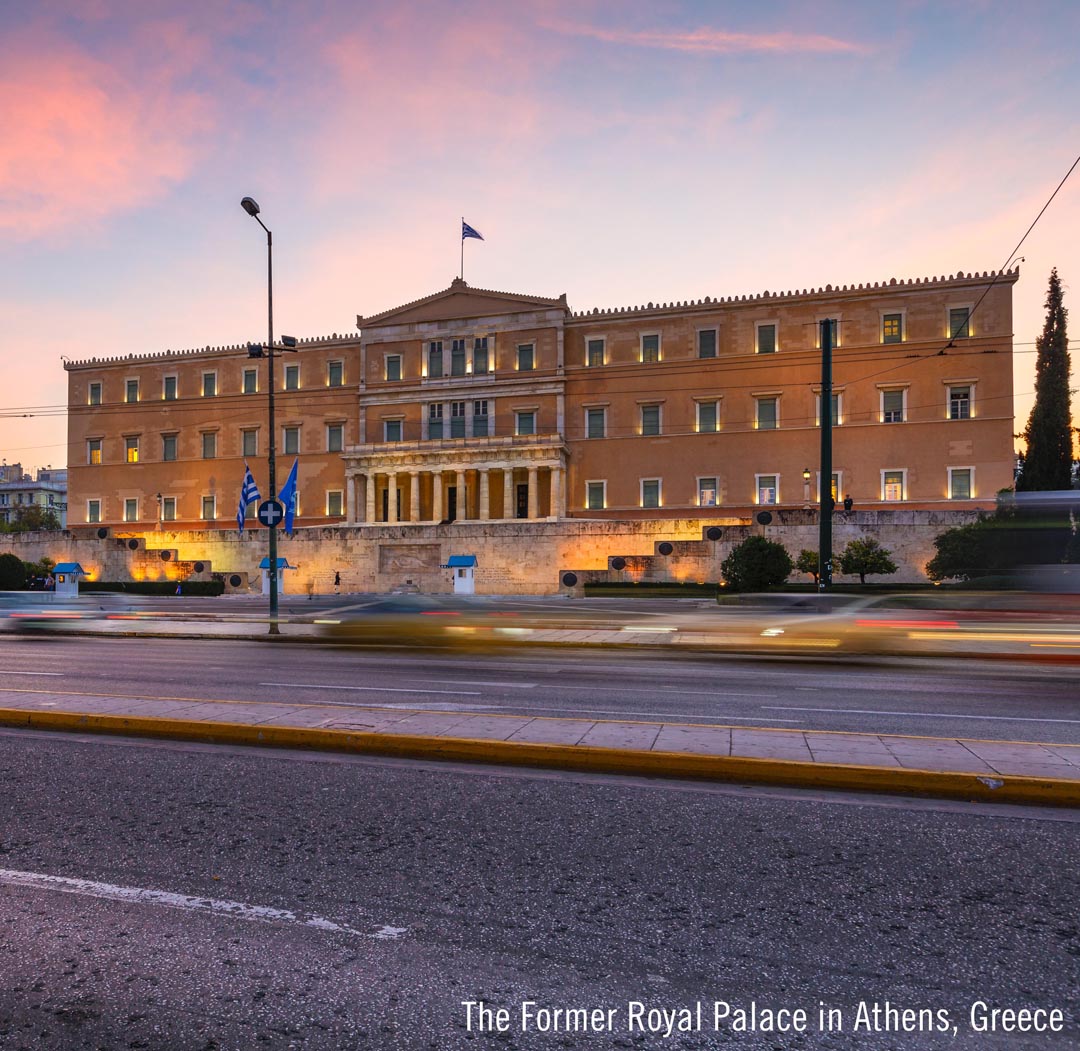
142, 896
6, 672
514, 685
918, 715
370, 689
529, 709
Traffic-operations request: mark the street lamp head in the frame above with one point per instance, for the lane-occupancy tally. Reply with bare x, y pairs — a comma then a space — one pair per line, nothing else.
806, 474
250, 206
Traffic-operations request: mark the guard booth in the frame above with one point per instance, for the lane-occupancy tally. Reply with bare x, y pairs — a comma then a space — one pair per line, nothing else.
464, 567
67, 576
282, 565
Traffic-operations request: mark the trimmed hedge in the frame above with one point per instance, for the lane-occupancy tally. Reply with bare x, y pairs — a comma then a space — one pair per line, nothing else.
656, 588
155, 587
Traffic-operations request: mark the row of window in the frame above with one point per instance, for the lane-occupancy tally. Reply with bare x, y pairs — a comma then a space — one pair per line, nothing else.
167, 509
960, 485
170, 385
208, 444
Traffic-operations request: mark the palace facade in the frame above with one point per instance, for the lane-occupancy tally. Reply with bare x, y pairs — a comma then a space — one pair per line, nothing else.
480, 405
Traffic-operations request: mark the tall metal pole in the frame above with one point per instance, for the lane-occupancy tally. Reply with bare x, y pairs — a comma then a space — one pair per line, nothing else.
272, 451
825, 511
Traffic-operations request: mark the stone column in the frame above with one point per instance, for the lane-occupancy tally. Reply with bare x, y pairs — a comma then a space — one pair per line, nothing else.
436, 496
371, 513
508, 492
558, 503
462, 503
350, 498
485, 510
534, 494
414, 496
391, 498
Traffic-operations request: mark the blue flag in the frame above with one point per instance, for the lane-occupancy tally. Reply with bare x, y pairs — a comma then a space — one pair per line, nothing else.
468, 231
249, 491
287, 496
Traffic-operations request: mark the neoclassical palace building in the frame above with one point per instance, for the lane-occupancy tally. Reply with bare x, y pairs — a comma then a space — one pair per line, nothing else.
472, 404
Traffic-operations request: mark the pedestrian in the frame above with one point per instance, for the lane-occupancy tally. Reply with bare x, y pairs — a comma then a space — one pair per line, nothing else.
337, 582
848, 503
50, 583
178, 591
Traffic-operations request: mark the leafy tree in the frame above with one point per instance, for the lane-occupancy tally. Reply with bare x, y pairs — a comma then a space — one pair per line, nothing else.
28, 518
865, 555
1048, 463
807, 562
756, 564
12, 572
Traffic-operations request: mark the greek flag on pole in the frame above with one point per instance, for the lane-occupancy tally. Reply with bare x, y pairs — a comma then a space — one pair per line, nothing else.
468, 231
249, 491
287, 496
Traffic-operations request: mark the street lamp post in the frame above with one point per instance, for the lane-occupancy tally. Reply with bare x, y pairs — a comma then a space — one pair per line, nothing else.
251, 207
806, 486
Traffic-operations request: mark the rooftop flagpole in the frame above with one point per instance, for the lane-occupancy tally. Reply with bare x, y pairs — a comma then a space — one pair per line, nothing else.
462, 275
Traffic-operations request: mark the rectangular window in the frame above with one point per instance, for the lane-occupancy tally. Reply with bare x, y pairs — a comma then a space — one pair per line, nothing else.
335, 374
131, 390
650, 349
526, 357
768, 488
168, 392
291, 444
525, 423
457, 358
766, 339
480, 356
131, 450
334, 503
892, 485
392, 430
435, 421
168, 508
335, 437
249, 442
251, 381
706, 343
209, 508
435, 359
595, 496
292, 377
959, 322
706, 492
480, 419
93, 451
650, 492
209, 385
131, 510
594, 353
393, 367
892, 328
959, 483
209, 445
595, 423
834, 331
834, 490
93, 511
707, 416
959, 403
835, 396
892, 406
650, 419
766, 414
168, 447
94, 395
457, 419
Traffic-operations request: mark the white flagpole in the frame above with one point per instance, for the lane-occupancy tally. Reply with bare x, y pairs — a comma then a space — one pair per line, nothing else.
462, 248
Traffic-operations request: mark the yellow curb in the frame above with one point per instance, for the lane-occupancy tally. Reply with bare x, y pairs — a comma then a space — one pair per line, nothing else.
942, 784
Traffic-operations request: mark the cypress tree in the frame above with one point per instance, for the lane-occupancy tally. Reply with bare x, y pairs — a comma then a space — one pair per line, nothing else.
1048, 464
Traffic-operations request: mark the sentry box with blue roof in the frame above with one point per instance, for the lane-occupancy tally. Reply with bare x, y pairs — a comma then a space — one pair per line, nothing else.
464, 567
282, 565
67, 576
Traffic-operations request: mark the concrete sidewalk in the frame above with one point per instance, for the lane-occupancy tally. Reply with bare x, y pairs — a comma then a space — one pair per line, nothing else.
992, 771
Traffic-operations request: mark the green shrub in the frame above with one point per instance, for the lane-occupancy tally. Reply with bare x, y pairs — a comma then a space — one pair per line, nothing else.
12, 572
756, 564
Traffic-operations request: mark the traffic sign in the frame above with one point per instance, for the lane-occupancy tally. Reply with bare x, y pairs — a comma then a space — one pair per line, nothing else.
271, 512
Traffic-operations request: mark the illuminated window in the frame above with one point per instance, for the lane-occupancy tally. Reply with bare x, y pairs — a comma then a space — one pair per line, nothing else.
595, 496
650, 492
892, 406
892, 328
706, 492
960, 403
334, 503
131, 450
768, 488
93, 451
893, 485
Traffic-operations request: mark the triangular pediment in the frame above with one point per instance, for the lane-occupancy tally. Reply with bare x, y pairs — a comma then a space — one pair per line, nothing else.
461, 301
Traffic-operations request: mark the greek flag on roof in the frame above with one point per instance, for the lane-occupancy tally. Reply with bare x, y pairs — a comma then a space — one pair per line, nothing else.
468, 231
249, 491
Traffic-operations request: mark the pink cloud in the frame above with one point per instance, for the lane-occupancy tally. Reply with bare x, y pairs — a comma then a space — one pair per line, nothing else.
83, 141
713, 41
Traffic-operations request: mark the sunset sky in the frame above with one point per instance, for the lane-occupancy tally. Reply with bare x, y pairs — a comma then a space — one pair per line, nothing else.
621, 152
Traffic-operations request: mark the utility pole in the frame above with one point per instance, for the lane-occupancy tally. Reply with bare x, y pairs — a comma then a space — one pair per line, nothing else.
825, 512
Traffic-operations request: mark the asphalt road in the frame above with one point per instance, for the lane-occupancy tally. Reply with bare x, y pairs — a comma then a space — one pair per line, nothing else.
368, 900
981, 700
